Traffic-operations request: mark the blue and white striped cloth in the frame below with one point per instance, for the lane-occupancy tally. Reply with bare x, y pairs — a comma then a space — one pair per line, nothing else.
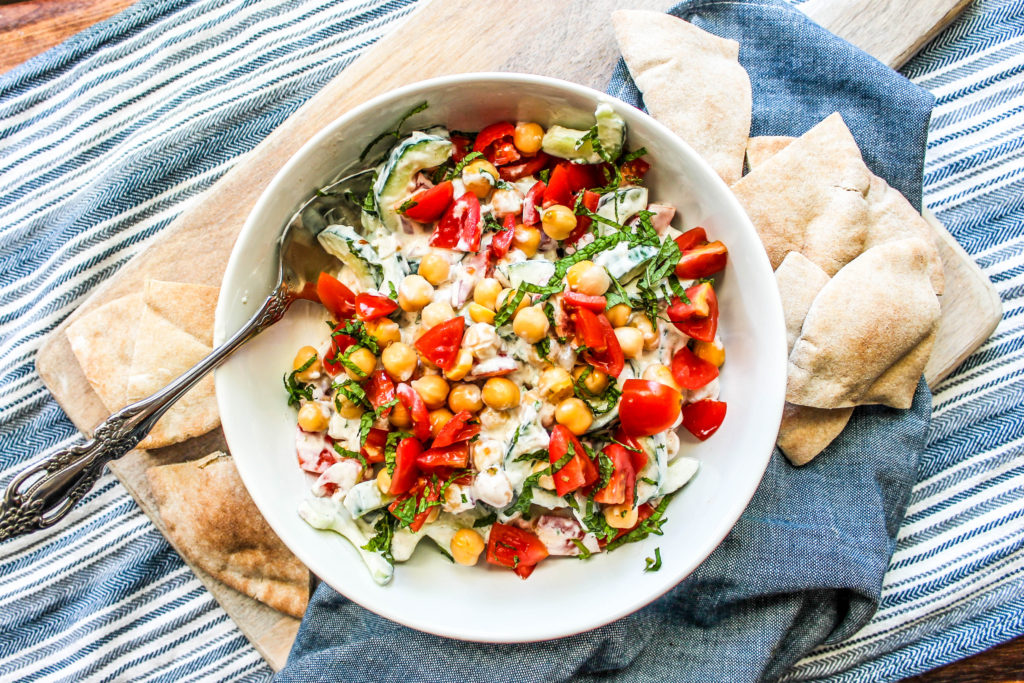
105, 138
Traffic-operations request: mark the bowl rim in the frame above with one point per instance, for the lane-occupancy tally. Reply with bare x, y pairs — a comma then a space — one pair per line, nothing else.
236, 267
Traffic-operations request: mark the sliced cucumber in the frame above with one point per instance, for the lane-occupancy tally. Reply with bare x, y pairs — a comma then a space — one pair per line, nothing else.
680, 471
565, 143
611, 130
410, 156
534, 271
621, 205
624, 262
354, 251
365, 497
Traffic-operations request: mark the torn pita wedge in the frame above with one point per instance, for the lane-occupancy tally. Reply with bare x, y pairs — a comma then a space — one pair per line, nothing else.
212, 520
103, 341
799, 280
761, 147
174, 333
878, 312
692, 82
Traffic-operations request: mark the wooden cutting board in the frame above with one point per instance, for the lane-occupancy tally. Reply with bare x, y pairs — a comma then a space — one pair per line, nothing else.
444, 37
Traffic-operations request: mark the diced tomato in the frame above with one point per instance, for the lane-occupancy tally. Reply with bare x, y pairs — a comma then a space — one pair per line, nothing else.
373, 449
590, 200
588, 329
580, 471
461, 145
459, 228
379, 389
495, 143
455, 455
691, 371
699, 317
691, 238
411, 399
528, 166
339, 344
336, 297
647, 407
430, 204
458, 428
373, 306
502, 239
534, 198
515, 548
441, 343
582, 177
621, 486
637, 455
324, 459
609, 360
404, 476
590, 302
422, 490
703, 418
702, 261
633, 172
558, 190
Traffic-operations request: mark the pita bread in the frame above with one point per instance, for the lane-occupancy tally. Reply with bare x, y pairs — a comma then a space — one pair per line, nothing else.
868, 333
692, 82
103, 341
806, 432
760, 148
799, 280
211, 520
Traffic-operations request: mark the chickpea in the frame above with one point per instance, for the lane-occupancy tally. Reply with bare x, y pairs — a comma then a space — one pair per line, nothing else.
620, 516
400, 416
528, 137
467, 544
712, 352
487, 453
399, 361
301, 358
650, 331
436, 313
618, 315
438, 419
500, 393
631, 340
312, 418
432, 389
463, 364
545, 481
384, 330
555, 383
526, 239
558, 221
465, 397
434, 268
363, 359
588, 278
595, 381
486, 292
661, 373
384, 481
414, 293
347, 409
479, 176
575, 415
506, 295
531, 324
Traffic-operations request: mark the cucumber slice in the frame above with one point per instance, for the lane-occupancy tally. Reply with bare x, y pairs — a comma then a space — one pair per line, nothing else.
611, 130
621, 205
365, 497
329, 515
564, 143
355, 252
624, 262
534, 271
410, 156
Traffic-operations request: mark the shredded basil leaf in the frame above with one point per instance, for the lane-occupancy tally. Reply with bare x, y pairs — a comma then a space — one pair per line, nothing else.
391, 449
485, 521
457, 171
405, 511
299, 390
653, 563
346, 453
584, 552
396, 132
381, 541
651, 525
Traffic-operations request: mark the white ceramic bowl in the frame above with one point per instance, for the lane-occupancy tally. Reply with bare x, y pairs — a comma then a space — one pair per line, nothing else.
564, 596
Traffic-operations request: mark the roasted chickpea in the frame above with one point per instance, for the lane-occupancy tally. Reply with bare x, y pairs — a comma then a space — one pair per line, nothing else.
479, 176
434, 268
363, 359
631, 340
712, 352
531, 324
438, 419
650, 331
618, 315
486, 292
384, 330
481, 314
414, 293
589, 278
555, 383
347, 409
575, 415
558, 221
463, 364
545, 481
661, 373
528, 137
312, 418
384, 481
400, 416
466, 546
301, 358
465, 397
621, 516
436, 313
399, 361
526, 239
432, 389
500, 394
595, 381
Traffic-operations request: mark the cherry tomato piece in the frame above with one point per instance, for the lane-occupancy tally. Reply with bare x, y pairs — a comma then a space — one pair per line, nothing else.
530, 166
461, 146
373, 306
691, 238
699, 317
336, 297
441, 343
373, 449
558, 190
633, 171
339, 344
380, 390
458, 428
579, 471
404, 476
534, 198
691, 371
411, 399
455, 455
502, 240
515, 548
647, 407
590, 302
590, 200
703, 418
495, 143
610, 360
459, 227
429, 205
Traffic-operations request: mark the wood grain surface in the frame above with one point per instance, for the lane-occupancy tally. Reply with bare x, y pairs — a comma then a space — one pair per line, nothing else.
29, 27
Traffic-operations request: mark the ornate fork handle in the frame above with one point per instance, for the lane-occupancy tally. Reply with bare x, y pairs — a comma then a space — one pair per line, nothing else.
41, 495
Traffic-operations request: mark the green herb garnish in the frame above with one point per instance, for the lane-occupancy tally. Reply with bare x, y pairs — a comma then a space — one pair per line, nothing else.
396, 132
381, 541
653, 563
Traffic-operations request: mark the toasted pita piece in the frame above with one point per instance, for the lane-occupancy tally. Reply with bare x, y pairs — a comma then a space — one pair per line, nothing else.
872, 315
761, 147
103, 341
799, 281
891, 218
213, 522
165, 348
691, 82
806, 432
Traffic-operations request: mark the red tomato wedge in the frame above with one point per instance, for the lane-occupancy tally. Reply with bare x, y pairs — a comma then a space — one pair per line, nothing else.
459, 228
404, 476
637, 455
633, 171
417, 409
589, 331
339, 344
495, 143
441, 343
590, 302
690, 370
703, 418
422, 490
702, 261
454, 455
502, 240
338, 298
699, 317
590, 200
580, 471
379, 389
647, 407
620, 487
534, 198
610, 360
558, 190
458, 428
529, 166
373, 449
691, 238
461, 146
429, 205
373, 306
515, 548
582, 176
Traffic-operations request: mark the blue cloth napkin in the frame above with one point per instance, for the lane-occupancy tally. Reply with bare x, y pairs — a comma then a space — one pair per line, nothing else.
804, 564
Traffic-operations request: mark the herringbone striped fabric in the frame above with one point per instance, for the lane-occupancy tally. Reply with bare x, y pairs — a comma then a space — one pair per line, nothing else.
104, 139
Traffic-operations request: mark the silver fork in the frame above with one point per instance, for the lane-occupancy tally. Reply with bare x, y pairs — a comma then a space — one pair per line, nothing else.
42, 494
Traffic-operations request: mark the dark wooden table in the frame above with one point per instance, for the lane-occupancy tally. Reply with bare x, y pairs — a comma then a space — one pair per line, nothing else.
28, 27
